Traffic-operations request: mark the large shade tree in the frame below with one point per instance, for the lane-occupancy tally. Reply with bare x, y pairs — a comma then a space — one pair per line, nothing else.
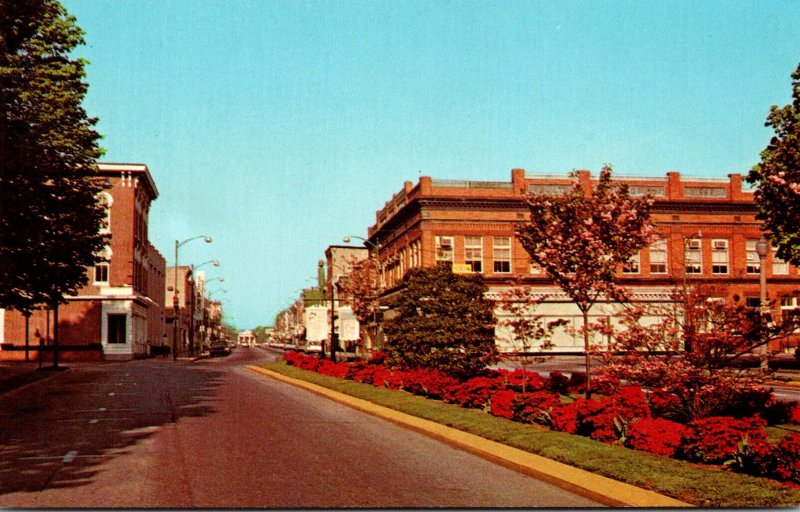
442, 322
50, 216
777, 177
583, 237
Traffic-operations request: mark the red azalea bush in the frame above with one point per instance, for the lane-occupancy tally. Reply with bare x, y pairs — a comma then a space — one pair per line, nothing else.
474, 392
786, 458
605, 385
430, 383
565, 418
501, 403
534, 407
514, 380
655, 435
331, 369
715, 440
366, 374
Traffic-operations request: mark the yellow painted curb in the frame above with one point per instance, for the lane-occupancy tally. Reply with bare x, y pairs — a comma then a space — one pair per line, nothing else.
599, 488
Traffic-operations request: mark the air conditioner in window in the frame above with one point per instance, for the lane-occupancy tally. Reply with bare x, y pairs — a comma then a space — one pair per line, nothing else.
720, 244
694, 245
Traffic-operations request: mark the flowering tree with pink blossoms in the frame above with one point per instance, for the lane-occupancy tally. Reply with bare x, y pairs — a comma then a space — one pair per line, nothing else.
778, 177
583, 237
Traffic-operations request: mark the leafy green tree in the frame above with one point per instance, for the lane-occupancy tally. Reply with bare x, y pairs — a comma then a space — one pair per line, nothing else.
49, 213
582, 237
443, 322
777, 177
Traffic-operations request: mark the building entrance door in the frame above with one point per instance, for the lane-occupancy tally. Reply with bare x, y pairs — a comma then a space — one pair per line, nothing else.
117, 328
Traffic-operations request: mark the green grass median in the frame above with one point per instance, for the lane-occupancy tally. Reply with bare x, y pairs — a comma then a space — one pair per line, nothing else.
702, 486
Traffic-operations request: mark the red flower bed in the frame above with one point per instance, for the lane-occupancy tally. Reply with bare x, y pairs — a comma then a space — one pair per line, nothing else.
715, 440
475, 392
338, 370
515, 380
565, 418
786, 458
501, 403
428, 383
655, 435
534, 407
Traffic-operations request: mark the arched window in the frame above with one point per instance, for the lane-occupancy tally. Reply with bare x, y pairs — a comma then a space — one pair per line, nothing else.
105, 200
102, 269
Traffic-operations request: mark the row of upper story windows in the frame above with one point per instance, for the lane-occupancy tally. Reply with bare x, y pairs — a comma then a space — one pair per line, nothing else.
657, 256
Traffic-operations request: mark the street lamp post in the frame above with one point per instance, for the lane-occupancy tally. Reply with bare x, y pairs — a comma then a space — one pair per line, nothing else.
175, 311
762, 247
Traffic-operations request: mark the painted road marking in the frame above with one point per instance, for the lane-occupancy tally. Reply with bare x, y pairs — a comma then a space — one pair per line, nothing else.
92, 421
68, 457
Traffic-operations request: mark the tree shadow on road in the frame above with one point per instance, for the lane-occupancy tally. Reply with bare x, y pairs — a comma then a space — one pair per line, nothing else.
56, 433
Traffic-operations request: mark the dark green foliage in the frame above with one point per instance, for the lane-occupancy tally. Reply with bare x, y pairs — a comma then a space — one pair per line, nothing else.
49, 214
778, 177
443, 323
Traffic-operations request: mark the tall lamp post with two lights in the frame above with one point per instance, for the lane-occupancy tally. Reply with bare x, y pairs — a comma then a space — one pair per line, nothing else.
207, 239
762, 248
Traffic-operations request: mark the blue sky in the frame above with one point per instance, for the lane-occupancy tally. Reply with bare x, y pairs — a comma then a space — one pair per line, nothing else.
278, 127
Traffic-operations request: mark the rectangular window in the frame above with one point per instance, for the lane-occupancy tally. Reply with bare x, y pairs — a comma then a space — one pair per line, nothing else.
694, 256
752, 302
101, 273
444, 248
473, 253
719, 256
502, 254
753, 263
117, 332
633, 264
779, 265
658, 257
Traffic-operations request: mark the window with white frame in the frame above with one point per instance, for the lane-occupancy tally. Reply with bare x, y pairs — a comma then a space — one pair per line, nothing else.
658, 257
473, 253
790, 307
719, 256
633, 264
501, 247
753, 263
779, 265
444, 248
101, 269
694, 256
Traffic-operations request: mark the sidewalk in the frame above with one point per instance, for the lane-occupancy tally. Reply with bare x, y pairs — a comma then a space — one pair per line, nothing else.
14, 374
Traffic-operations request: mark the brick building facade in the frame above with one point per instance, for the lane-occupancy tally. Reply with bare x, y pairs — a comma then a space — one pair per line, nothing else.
119, 314
707, 231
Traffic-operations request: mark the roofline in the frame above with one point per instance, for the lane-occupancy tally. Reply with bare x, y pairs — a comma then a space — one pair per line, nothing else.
115, 167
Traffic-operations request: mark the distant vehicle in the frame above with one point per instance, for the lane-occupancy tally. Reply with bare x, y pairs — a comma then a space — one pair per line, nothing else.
219, 348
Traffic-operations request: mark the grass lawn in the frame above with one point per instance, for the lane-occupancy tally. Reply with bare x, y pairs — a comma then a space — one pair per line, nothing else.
702, 486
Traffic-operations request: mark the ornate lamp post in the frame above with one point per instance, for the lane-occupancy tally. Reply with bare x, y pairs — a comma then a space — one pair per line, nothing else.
207, 239
762, 248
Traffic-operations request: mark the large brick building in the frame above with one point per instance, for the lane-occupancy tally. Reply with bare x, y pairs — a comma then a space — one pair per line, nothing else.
707, 228
119, 314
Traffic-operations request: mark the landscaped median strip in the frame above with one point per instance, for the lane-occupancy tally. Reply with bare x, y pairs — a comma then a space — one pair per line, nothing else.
602, 489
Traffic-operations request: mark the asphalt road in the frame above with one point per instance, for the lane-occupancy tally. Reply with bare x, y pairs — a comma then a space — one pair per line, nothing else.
211, 434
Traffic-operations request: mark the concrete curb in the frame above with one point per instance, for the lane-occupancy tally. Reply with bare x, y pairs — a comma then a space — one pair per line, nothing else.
599, 488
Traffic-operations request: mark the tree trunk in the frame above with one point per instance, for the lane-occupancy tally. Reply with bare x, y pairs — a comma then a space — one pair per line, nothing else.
27, 336
585, 312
